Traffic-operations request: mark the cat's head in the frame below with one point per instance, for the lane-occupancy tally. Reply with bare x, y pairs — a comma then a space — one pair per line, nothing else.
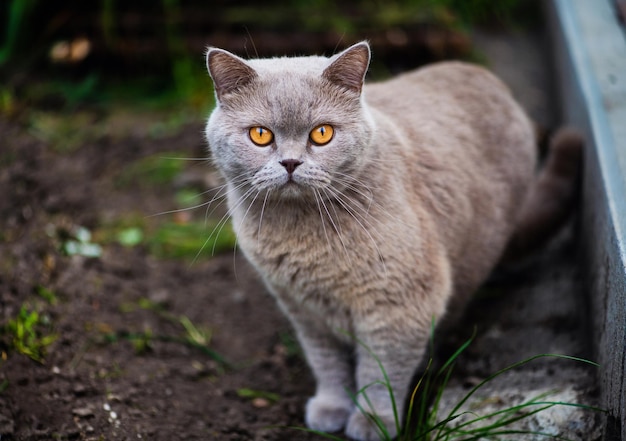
290, 125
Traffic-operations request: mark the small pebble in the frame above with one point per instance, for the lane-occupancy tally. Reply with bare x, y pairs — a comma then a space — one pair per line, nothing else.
79, 389
83, 412
260, 403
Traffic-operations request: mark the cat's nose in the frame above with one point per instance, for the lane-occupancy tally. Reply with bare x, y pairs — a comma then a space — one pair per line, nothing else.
290, 164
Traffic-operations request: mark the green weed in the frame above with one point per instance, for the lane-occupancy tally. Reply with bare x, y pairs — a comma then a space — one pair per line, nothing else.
29, 334
142, 342
424, 421
191, 334
251, 394
47, 294
428, 425
194, 335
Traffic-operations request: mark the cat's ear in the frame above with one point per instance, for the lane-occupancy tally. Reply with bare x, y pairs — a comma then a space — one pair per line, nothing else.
348, 68
229, 72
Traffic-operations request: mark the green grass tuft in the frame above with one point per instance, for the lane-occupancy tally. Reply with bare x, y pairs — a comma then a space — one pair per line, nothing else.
423, 421
29, 334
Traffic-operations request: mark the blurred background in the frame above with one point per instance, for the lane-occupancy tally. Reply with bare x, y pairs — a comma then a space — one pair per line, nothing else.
62, 55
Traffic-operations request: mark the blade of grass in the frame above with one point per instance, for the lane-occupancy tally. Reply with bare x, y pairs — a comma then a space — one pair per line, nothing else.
113, 337
423, 398
509, 368
510, 415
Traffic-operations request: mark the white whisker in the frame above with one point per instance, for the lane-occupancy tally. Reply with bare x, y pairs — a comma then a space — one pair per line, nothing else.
258, 234
318, 197
244, 197
206, 159
336, 226
349, 183
361, 216
358, 187
223, 196
221, 223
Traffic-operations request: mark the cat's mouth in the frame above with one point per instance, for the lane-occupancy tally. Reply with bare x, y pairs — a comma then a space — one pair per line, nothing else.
292, 180
291, 190
290, 185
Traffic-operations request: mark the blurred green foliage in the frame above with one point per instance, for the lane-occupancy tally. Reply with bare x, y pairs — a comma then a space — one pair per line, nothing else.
14, 27
30, 28
176, 234
348, 16
191, 240
166, 239
156, 169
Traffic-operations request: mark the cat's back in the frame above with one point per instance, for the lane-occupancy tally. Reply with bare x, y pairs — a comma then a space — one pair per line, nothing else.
460, 113
440, 90
448, 76
468, 149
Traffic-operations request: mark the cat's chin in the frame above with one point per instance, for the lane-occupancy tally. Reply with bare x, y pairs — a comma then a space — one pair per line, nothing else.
292, 190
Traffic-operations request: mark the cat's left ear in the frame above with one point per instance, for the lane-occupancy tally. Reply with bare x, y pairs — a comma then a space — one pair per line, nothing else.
229, 72
348, 68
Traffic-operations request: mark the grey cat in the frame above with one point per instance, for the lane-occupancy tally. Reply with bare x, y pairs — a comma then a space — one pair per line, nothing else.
372, 211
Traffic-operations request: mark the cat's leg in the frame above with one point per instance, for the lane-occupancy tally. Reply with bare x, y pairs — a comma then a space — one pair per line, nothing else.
331, 362
398, 355
333, 368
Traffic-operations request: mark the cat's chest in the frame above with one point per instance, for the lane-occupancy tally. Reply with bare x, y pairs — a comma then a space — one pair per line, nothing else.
316, 260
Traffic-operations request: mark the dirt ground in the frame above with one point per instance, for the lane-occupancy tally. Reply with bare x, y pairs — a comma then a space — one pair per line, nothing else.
122, 365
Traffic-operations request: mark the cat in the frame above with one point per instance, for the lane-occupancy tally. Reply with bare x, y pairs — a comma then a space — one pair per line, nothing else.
373, 210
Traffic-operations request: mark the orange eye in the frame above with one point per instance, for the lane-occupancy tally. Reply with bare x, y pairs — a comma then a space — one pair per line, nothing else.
261, 136
321, 135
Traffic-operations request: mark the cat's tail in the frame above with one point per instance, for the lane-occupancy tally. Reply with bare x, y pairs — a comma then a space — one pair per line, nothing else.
552, 197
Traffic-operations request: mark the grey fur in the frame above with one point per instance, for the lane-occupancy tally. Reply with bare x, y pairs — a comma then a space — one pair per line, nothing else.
399, 218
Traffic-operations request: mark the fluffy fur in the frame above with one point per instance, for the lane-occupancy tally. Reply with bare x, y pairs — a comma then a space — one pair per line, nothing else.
373, 236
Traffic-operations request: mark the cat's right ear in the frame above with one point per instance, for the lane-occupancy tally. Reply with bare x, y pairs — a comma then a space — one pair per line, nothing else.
229, 72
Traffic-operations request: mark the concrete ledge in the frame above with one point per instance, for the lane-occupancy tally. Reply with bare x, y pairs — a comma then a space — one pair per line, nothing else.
590, 53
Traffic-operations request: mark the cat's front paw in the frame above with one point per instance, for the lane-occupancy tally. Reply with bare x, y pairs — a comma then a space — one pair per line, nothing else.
360, 427
328, 413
